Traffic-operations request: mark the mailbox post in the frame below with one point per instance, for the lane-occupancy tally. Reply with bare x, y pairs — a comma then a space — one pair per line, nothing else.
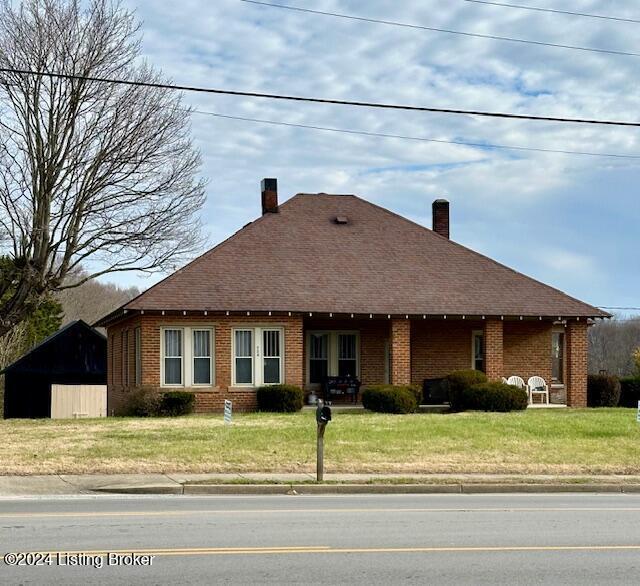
323, 416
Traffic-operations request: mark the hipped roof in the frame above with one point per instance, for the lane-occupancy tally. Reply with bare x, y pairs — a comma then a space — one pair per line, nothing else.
301, 260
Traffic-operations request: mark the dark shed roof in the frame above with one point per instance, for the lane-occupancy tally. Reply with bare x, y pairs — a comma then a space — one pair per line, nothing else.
40, 358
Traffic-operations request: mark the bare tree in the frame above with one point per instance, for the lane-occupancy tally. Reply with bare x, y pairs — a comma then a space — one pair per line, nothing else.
91, 173
93, 300
612, 344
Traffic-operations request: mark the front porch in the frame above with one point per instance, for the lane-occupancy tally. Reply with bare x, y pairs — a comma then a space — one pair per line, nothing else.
391, 350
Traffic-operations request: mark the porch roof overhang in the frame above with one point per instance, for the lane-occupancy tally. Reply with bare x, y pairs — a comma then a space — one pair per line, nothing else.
122, 314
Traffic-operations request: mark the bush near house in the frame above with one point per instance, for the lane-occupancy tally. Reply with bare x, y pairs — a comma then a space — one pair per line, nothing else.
603, 390
280, 398
459, 381
494, 396
391, 399
150, 403
176, 403
142, 403
629, 391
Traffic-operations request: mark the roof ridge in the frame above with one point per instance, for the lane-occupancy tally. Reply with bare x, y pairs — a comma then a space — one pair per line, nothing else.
476, 253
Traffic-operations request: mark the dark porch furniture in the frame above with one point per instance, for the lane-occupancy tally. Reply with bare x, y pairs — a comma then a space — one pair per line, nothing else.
341, 386
435, 391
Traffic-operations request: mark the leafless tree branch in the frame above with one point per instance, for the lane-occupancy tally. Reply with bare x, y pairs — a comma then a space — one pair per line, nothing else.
91, 173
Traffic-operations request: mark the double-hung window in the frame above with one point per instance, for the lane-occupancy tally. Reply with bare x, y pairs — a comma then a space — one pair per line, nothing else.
332, 353
202, 357
257, 356
187, 356
244, 351
173, 357
318, 356
347, 358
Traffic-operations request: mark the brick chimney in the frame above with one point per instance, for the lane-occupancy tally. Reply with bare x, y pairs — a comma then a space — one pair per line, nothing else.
441, 217
269, 196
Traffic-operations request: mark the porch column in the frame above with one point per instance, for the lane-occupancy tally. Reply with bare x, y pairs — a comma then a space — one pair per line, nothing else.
400, 352
493, 349
294, 352
576, 369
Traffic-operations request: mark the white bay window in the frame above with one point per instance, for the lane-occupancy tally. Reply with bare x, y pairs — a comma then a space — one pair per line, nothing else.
257, 356
187, 356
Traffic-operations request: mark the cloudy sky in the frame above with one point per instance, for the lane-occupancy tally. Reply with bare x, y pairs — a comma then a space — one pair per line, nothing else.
569, 220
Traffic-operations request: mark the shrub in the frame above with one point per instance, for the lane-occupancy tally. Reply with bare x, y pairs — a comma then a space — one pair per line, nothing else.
603, 390
494, 396
460, 380
629, 391
280, 398
391, 399
176, 403
142, 403
415, 390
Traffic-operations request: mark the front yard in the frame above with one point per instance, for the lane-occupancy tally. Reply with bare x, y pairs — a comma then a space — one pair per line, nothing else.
602, 441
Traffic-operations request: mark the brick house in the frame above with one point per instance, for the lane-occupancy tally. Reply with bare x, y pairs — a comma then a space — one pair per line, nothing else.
332, 284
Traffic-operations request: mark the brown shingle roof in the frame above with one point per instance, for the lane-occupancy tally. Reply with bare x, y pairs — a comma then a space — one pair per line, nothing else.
301, 259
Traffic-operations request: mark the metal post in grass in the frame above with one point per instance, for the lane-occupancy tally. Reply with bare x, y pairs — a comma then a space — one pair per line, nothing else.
323, 416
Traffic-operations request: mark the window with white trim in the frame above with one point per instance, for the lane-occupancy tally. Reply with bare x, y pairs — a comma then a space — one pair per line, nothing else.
332, 353
202, 357
477, 350
125, 358
557, 357
187, 356
258, 356
272, 358
173, 357
137, 353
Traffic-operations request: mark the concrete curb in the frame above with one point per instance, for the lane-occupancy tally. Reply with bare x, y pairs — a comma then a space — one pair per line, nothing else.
293, 488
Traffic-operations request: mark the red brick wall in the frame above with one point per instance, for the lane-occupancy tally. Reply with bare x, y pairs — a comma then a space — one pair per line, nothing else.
400, 351
576, 371
527, 349
494, 349
440, 347
423, 349
210, 399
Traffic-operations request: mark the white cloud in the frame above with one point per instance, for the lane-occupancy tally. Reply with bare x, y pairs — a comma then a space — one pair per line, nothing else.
498, 197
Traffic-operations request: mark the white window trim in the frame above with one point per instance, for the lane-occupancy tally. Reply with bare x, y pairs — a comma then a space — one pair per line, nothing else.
212, 355
137, 355
475, 333
560, 330
187, 355
332, 351
257, 359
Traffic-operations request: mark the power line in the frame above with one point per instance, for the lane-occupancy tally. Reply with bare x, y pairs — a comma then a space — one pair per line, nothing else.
379, 105
442, 30
414, 138
555, 11
619, 308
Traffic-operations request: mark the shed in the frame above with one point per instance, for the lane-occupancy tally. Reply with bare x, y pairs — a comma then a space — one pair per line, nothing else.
75, 355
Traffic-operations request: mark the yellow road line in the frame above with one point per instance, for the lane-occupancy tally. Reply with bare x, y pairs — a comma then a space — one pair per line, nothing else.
207, 551
314, 511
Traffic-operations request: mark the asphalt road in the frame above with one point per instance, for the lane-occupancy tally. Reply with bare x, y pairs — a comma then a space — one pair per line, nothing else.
356, 539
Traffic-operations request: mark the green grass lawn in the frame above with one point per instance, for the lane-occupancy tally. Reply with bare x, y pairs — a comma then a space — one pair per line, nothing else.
594, 441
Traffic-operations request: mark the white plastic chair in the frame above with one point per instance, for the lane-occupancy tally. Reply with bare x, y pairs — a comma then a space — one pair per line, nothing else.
536, 385
505, 381
516, 381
